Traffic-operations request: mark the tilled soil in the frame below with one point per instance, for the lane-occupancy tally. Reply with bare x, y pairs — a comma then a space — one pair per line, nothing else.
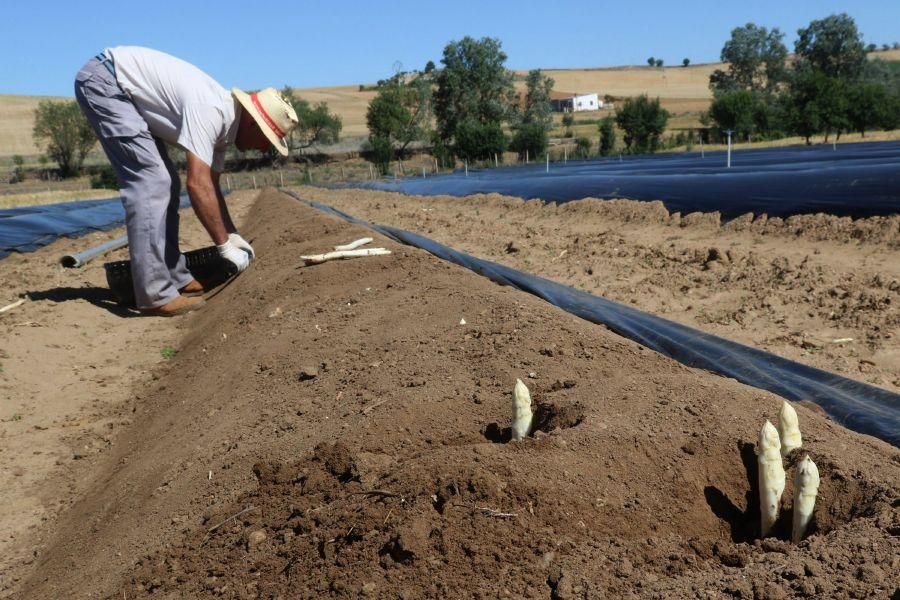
337, 431
819, 289
70, 362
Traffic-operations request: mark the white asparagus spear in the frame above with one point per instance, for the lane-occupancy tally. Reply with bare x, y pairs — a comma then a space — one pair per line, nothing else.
521, 411
789, 429
9, 307
771, 477
353, 245
315, 259
806, 487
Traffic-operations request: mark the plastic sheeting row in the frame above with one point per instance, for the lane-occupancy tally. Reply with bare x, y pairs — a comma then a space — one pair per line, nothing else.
27, 228
857, 406
855, 180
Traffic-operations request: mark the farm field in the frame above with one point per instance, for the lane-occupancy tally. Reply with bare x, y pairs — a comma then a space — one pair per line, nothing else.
353, 452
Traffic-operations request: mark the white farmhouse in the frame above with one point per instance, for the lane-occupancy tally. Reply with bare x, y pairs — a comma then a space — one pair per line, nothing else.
576, 102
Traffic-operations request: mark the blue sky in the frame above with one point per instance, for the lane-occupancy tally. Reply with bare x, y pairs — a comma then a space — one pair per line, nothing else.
257, 44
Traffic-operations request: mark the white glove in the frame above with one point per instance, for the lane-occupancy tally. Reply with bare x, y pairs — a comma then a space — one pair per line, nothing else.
233, 254
237, 240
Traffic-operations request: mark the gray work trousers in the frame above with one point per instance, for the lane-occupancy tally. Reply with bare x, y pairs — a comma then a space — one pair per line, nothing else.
148, 182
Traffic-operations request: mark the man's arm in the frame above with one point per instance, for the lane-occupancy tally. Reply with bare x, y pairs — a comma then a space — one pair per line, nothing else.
226, 217
207, 199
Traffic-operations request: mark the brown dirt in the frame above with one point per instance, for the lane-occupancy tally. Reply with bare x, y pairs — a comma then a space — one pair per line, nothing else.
70, 362
349, 418
797, 287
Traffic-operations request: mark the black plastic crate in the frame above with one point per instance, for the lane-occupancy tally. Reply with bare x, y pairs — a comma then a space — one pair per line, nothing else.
205, 265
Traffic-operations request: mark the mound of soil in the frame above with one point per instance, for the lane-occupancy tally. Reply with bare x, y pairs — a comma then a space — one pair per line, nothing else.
331, 431
818, 289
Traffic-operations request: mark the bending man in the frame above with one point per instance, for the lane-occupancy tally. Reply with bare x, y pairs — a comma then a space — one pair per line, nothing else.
137, 100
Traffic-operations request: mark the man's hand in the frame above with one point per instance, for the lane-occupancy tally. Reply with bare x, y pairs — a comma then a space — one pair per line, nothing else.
230, 252
237, 240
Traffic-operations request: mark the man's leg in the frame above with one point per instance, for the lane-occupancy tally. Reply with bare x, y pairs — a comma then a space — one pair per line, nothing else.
174, 258
144, 180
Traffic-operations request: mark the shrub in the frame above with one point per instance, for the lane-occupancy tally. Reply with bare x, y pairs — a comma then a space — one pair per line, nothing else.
17, 175
105, 179
381, 152
442, 152
479, 141
607, 136
643, 121
568, 119
582, 147
530, 137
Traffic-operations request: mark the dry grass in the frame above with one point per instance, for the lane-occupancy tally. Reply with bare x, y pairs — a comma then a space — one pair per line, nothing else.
16, 123
53, 196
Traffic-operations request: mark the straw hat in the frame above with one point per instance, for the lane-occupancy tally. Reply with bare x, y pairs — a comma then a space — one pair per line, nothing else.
274, 115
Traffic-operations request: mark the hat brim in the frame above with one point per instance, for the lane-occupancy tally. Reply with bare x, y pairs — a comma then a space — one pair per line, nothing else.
247, 104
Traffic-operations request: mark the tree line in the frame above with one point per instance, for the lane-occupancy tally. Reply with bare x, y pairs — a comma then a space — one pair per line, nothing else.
828, 87
468, 109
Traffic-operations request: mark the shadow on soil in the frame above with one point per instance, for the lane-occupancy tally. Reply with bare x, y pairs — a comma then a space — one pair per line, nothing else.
99, 297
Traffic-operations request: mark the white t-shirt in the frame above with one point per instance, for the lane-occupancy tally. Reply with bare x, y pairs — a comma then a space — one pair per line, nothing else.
181, 104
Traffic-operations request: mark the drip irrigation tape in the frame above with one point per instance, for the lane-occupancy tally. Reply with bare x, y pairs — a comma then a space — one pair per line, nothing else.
853, 180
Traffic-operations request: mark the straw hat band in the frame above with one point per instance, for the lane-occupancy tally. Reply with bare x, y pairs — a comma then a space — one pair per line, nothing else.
262, 112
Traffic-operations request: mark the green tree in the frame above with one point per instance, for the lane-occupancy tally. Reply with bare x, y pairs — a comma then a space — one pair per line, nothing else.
685, 62
832, 45
607, 135
479, 141
815, 103
568, 119
316, 125
659, 62
651, 61
642, 121
429, 67
537, 108
870, 107
474, 88
532, 133
756, 61
66, 136
735, 111
401, 113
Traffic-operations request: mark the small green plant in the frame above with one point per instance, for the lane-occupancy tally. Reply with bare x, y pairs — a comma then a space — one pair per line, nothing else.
17, 417
168, 352
582, 147
568, 119
18, 173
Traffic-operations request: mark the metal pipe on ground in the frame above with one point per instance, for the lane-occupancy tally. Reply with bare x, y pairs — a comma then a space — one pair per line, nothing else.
74, 261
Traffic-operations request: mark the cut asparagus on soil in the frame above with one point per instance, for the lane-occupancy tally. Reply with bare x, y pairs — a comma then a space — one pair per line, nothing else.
315, 259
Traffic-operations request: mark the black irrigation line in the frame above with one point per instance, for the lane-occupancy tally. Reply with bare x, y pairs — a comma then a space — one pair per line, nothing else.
855, 405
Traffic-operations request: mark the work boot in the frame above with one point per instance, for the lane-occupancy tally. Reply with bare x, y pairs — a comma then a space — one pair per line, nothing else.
194, 288
178, 306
